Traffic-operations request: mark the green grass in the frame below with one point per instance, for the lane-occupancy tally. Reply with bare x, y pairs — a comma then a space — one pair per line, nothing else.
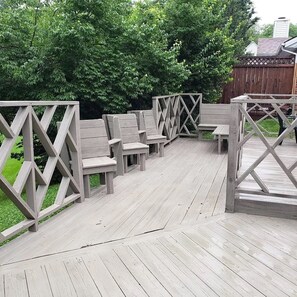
270, 127
9, 213
207, 135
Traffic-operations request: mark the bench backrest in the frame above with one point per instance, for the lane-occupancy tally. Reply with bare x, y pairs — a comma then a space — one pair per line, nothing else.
146, 121
149, 122
123, 126
94, 142
215, 114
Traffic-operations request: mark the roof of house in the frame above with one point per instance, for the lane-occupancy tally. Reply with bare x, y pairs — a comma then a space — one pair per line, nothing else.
270, 46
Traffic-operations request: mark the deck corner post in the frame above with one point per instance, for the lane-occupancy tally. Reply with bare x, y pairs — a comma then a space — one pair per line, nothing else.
30, 185
232, 157
77, 164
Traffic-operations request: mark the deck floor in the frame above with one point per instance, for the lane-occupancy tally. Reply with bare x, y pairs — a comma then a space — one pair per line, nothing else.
182, 188
229, 255
163, 233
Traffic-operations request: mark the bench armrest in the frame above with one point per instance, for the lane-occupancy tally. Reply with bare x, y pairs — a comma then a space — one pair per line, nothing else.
141, 131
114, 141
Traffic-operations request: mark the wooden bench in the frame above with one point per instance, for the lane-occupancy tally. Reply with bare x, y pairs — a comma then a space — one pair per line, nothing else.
215, 118
220, 133
125, 128
147, 122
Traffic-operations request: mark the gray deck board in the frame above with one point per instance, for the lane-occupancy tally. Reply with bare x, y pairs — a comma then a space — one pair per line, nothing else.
169, 193
219, 257
163, 233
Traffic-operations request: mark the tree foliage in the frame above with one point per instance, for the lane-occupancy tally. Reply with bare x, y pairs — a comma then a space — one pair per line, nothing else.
114, 54
212, 33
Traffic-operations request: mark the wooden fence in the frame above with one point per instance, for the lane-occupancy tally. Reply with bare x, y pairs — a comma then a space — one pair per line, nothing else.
177, 114
260, 75
32, 120
253, 189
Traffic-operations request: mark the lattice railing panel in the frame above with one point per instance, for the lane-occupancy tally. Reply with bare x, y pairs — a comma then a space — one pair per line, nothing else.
177, 114
32, 121
256, 178
189, 114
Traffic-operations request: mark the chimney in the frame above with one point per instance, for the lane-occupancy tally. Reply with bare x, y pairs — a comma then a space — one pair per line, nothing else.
281, 28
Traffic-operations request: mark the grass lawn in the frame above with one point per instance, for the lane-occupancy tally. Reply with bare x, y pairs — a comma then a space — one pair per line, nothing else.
9, 213
270, 127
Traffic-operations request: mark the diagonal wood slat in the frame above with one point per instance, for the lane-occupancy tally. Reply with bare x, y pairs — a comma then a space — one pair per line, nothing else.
43, 137
16, 128
177, 114
5, 128
47, 116
277, 201
39, 176
22, 177
64, 128
259, 181
16, 198
270, 149
30, 178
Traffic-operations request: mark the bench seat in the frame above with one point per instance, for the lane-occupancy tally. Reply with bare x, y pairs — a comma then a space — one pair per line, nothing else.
220, 133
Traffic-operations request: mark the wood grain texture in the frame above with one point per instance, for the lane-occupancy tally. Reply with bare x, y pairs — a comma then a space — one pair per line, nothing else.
261, 79
232, 255
162, 232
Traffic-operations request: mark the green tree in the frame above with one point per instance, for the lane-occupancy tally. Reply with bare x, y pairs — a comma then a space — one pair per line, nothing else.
206, 45
240, 13
293, 30
99, 52
157, 61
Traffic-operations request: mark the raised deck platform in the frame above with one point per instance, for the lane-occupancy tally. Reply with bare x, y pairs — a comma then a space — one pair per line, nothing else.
163, 233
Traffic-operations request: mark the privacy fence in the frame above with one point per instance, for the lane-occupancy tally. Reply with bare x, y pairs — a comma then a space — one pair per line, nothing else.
260, 75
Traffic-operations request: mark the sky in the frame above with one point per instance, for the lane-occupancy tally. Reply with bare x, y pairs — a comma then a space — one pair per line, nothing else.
270, 10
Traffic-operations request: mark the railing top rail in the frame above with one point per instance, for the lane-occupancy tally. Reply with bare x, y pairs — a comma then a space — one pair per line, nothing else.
270, 95
173, 95
269, 99
36, 103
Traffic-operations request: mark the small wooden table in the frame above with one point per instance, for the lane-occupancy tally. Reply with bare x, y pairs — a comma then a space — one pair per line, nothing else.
221, 133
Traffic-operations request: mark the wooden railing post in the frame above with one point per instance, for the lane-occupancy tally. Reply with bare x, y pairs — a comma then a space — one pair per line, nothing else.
77, 158
232, 157
28, 144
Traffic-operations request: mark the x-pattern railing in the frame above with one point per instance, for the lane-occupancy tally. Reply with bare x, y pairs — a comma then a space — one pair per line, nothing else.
31, 180
190, 113
177, 114
276, 103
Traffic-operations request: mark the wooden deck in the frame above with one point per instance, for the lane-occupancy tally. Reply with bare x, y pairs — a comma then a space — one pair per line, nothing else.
163, 233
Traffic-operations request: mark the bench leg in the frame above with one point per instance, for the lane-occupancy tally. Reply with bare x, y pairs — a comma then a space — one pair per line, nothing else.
102, 178
219, 144
161, 149
109, 182
87, 187
142, 162
125, 164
